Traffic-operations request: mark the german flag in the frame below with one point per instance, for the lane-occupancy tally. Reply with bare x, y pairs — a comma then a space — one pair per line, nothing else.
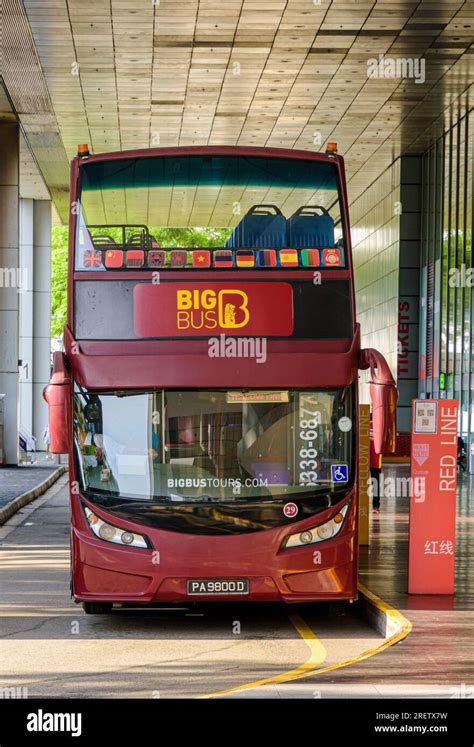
332, 257
245, 258
288, 258
113, 258
266, 258
310, 257
201, 258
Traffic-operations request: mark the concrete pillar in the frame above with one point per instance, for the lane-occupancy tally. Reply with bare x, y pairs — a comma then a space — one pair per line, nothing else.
26, 315
41, 313
9, 277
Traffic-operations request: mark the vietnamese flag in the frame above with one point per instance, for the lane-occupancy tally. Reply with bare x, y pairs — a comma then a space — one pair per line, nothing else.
201, 258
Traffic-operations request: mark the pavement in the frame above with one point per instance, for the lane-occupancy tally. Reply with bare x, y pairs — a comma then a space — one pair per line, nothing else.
51, 648
15, 481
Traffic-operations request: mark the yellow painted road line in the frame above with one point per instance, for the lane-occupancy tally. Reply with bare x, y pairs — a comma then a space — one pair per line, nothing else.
317, 656
402, 628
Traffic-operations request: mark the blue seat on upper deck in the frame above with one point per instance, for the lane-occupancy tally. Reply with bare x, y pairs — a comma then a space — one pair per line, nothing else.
310, 226
264, 226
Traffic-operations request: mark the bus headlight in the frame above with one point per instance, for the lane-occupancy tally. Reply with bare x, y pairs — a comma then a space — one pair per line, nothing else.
320, 533
105, 531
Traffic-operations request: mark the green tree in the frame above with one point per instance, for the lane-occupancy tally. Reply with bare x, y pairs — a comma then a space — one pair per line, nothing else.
59, 263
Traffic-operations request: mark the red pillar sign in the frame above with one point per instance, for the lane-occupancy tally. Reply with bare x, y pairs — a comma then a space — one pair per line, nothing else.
433, 496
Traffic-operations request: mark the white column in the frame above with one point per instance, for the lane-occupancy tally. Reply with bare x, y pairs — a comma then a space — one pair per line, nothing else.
9, 274
41, 313
26, 314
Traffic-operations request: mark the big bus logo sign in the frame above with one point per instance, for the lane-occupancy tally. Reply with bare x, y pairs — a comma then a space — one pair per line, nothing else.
204, 309
208, 309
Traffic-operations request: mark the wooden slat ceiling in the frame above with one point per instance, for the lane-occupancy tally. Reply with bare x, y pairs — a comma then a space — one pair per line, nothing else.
283, 73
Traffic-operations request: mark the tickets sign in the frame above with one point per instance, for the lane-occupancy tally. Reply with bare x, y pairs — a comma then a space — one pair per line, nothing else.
364, 473
433, 497
203, 309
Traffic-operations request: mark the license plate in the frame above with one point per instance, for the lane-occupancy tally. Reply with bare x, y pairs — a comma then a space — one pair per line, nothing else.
219, 586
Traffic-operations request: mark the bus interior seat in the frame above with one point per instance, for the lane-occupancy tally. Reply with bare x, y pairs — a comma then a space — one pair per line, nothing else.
264, 226
310, 226
103, 240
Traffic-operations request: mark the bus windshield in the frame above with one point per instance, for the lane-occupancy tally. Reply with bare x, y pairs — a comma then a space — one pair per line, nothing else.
221, 446
133, 212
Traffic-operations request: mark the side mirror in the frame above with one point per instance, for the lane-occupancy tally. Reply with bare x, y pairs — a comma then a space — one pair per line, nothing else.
384, 396
58, 395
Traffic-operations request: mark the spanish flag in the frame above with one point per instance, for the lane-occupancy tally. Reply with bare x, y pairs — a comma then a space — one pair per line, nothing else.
245, 258
288, 258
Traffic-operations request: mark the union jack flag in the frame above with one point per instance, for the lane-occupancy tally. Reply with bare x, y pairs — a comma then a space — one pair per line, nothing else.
92, 258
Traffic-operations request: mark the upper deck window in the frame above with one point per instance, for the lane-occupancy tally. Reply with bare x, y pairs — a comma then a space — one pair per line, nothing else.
208, 211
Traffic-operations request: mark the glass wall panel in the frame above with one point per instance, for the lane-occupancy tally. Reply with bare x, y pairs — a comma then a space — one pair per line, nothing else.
447, 274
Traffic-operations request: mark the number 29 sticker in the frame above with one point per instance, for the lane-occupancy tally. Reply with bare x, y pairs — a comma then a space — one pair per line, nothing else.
290, 510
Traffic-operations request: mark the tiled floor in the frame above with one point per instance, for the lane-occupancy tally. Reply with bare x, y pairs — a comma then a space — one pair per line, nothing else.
383, 565
440, 648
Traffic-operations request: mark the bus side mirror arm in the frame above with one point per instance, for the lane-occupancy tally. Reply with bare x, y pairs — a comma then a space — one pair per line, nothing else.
384, 396
58, 395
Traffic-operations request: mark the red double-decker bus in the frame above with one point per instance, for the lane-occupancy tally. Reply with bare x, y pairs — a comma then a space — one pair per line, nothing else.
207, 394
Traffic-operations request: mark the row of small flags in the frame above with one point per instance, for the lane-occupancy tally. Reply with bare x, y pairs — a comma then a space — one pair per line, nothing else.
218, 258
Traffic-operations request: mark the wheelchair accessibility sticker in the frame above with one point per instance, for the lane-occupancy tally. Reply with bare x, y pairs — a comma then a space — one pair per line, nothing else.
339, 473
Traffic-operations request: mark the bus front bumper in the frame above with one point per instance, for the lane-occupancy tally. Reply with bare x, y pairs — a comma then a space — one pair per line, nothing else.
103, 571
